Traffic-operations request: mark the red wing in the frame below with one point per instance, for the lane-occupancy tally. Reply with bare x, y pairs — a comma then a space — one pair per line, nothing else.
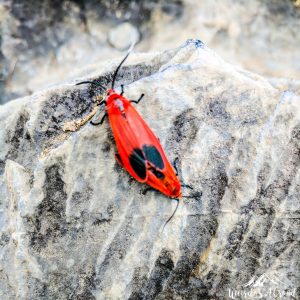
140, 152
131, 134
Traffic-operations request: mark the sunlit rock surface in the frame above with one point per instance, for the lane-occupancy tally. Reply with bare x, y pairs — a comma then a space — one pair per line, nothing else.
75, 225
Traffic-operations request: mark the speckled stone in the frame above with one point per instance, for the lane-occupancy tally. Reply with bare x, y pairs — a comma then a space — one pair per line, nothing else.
75, 225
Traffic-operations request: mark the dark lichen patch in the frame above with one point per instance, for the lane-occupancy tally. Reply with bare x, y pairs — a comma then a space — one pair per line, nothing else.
223, 282
295, 135
106, 147
22, 148
65, 284
4, 239
282, 235
178, 284
86, 285
252, 245
2, 166
49, 221
160, 273
83, 196
16, 138
179, 281
57, 111
262, 207
214, 188
217, 110
139, 279
256, 207
183, 131
116, 251
60, 108
235, 237
37, 288
61, 283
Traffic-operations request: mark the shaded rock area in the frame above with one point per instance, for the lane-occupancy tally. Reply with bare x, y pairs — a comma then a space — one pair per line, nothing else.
41, 42
44, 43
75, 225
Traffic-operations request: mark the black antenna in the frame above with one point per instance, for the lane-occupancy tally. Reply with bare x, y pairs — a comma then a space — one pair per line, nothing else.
85, 82
119, 66
172, 214
91, 82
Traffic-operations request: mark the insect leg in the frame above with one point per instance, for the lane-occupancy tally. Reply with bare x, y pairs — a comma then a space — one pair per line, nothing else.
172, 214
122, 89
138, 100
188, 186
176, 170
147, 189
100, 103
193, 195
98, 100
102, 120
175, 165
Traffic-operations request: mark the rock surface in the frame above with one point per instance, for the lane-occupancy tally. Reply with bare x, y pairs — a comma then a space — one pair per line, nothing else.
74, 225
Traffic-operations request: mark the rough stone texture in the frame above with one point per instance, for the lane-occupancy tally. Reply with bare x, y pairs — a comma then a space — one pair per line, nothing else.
74, 225
48, 41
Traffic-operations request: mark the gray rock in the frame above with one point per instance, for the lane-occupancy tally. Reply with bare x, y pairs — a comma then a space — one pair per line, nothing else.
74, 225
123, 36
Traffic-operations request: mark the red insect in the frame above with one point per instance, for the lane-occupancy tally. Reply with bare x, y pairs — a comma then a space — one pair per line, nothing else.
139, 150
